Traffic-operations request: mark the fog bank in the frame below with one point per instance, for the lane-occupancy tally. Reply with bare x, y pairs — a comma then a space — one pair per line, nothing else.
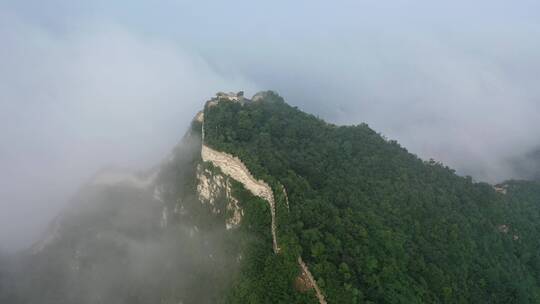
73, 103
88, 84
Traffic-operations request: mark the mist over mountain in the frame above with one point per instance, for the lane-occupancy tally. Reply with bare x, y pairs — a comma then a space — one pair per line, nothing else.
528, 165
261, 202
450, 81
399, 162
128, 237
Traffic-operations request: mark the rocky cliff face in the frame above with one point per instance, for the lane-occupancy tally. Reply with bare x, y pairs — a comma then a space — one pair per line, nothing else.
213, 186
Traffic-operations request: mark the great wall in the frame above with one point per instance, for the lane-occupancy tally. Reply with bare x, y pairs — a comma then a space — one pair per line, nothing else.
233, 167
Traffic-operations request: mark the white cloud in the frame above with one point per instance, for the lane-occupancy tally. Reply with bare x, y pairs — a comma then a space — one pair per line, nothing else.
71, 103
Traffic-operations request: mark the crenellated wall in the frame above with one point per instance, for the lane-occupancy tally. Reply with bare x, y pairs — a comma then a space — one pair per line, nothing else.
235, 168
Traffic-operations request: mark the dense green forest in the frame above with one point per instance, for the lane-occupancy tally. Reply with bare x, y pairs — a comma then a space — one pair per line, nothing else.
375, 223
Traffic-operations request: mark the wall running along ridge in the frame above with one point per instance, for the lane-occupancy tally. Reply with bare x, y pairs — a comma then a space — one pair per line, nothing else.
306, 274
233, 167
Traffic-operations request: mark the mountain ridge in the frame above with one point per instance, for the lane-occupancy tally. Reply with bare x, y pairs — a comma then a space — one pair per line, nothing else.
394, 188
263, 203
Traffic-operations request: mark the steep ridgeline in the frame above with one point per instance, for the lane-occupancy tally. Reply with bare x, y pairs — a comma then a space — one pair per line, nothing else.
372, 222
199, 228
234, 168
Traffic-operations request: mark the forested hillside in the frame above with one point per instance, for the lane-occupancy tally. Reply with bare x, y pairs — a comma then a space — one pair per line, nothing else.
375, 223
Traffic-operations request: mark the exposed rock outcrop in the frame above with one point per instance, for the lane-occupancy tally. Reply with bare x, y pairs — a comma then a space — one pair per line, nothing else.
211, 187
234, 211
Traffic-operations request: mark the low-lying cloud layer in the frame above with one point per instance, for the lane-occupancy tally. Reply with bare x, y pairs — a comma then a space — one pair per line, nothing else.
86, 84
71, 104
474, 105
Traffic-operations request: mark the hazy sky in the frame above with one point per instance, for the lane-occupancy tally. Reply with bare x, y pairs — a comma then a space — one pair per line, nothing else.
85, 84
